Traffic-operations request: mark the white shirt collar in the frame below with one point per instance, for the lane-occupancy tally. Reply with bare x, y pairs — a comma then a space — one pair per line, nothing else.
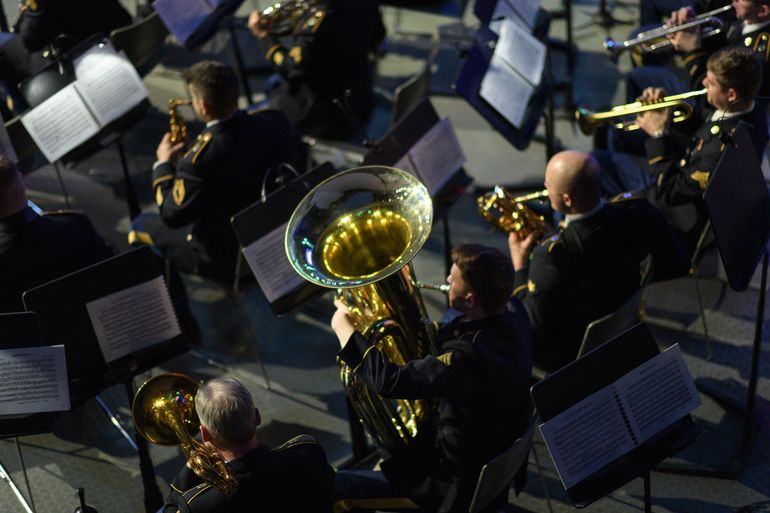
574, 217
720, 114
217, 121
748, 28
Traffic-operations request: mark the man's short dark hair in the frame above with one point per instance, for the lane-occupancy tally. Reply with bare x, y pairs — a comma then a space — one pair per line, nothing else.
216, 84
488, 272
737, 68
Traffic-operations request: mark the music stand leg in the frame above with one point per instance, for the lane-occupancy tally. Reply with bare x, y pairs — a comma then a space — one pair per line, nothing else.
115, 422
131, 198
361, 448
748, 426
447, 242
647, 493
153, 500
239, 62
61, 184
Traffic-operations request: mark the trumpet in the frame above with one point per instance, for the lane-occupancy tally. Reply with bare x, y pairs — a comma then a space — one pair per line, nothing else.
588, 120
510, 214
655, 40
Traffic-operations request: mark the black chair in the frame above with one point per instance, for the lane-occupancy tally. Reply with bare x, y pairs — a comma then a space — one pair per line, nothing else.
143, 42
603, 329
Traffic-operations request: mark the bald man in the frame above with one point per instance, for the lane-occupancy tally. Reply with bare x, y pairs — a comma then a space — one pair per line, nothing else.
590, 267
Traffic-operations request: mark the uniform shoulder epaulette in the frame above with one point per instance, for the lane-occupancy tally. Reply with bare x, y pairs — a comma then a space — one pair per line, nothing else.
314, 21
762, 45
297, 440
196, 149
551, 242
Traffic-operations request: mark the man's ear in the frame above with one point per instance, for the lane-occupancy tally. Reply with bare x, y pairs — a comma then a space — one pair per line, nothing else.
567, 199
732, 95
205, 435
259, 417
470, 299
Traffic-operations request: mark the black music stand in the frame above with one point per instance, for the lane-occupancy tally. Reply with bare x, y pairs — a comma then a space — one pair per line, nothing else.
741, 229
399, 140
468, 85
271, 215
590, 374
64, 319
485, 10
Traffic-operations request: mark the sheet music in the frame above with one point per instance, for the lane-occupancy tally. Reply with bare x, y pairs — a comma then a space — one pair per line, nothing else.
183, 17
33, 380
6, 147
267, 259
60, 124
436, 156
506, 91
604, 426
108, 82
522, 51
133, 318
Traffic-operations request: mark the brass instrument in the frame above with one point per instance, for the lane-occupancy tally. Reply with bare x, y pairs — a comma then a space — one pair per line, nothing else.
282, 18
588, 120
655, 40
27, 5
164, 413
176, 123
509, 213
357, 232
440, 287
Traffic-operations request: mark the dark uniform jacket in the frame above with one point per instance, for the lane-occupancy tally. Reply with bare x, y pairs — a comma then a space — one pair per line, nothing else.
330, 53
74, 20
292, 478
36, 249
481, 380
590, 269
684, 165
217, 177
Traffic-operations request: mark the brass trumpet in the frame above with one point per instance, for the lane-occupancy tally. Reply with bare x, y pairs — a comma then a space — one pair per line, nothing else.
176, 123
509, 213
655, 40
588, 120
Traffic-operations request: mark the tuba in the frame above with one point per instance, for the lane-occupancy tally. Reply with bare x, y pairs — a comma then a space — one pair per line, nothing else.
164, 413
509, 213
282, 18
176, 122
357, 232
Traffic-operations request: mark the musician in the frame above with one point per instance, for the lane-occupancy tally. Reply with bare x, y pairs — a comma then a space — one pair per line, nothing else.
35, 249
292, 477
198, 189
590, 267
480, 377
330, 53
53, 22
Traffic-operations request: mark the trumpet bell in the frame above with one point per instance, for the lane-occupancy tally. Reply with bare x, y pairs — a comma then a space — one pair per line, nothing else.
358, 227
153, 401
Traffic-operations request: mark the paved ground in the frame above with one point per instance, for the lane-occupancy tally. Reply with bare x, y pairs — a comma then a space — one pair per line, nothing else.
297, 351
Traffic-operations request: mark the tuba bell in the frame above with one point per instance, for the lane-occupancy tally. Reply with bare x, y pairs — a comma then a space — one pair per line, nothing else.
164, 413
176, 123
510, 214
357, 232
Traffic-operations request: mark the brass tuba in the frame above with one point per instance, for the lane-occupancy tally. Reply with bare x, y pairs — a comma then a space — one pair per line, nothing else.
176, 123
164, 413
282, 18
509, 213
357, 232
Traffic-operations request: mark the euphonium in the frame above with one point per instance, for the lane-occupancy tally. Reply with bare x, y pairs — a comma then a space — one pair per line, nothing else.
655, 40
176, 122
510, 214
588, 120
357, 232
281, 18
164, 413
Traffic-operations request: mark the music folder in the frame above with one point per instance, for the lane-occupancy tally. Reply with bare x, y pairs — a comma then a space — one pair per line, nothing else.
192, 22
613, 414
261, 229
741, 228
114, 318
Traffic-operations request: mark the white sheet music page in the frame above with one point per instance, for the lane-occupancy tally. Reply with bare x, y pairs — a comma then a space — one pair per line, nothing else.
133, 319
60, 124
108, 82
658, 394
506, 91
522, 51
6, 147
267, 259
527, 11
182, 17
33, 380
437, 155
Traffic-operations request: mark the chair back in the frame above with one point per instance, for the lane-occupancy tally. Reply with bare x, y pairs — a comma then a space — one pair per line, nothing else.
498, 474
414, 90
142, 41
612, 324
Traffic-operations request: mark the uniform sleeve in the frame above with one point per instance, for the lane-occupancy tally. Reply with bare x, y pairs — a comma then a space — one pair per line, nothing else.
677, 184
445, 375
307, 46
179, 193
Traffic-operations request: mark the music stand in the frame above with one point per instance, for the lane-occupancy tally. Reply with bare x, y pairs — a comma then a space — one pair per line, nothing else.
591, 374
485, 12
741, 229
394, 145
65, 307
260, 230
468, 85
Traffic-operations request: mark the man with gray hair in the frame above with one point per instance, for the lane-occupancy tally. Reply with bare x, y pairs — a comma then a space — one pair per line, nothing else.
291, 478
